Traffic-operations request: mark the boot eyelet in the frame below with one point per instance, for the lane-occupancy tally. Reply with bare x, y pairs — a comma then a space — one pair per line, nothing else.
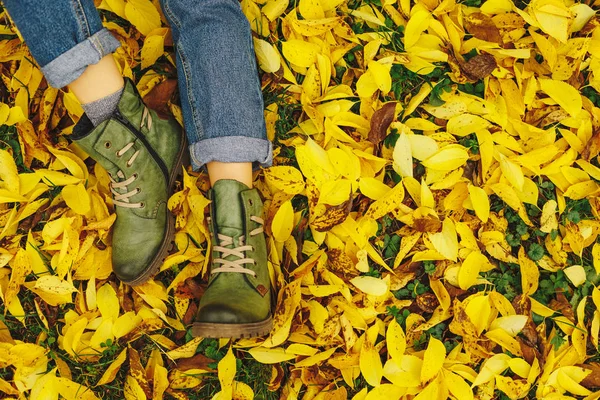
142, 205
138, 190
250, 201
135, 175
118, 155
108, 145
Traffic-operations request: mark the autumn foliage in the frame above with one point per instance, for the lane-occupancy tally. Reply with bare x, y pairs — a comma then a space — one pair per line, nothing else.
431, 215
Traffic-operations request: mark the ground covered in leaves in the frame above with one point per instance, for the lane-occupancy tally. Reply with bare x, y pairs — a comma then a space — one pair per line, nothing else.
432, 215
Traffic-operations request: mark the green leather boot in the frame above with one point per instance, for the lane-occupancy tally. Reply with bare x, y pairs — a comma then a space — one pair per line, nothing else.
142, 154
237, 301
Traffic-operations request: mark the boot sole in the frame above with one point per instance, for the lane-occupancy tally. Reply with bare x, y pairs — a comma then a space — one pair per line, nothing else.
166, 245
232, 331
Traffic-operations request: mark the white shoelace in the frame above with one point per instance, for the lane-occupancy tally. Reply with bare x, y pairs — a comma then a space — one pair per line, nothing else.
239, 252
122, 199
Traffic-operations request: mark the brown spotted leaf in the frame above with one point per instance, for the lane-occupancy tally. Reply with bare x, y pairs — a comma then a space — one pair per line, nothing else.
333, 216
479, 67
427, 302
592, 381
381, 121
136, 370
482, 27
160, 95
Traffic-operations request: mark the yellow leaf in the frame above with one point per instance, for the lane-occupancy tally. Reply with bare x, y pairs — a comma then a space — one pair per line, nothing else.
512, 172
335, 192
433, 359
366, 85
381, 76
549, 222
396, 341
143, 15
416, 25
404, 373
55, 178
118, 7
226, 371
446, 241
507, 194
479, 310
530, 274
447, 158
564, 94
370, 285
553, 18
268, 59
154, 47
274, 355
583, 13
126, 323
15, 115
242, 391
480, 202
495, 7
582, 190
70, 390
385, 391
403, 162
311, 9
388, 203
469, 270
72, 162
369, 361
4, 111
426, 196
596, 256
53, 290
422, 147
576, 274
186, 350
512, 324
108, 303
111, 372
283, 222
71, 339
160, 382
132, 389
77, 198
373, 188
274, 8
466, 124
457, 385
299, 52
9, 176
316, 359
72, 105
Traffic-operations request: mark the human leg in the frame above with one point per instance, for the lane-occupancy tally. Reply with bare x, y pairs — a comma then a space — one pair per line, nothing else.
65, 38
141, 152
223, 115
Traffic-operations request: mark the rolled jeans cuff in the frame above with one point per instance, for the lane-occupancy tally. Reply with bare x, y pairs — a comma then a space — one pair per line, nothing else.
69, 66
232, 149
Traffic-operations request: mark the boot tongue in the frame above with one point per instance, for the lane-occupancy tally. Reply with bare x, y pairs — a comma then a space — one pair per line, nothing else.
228, 207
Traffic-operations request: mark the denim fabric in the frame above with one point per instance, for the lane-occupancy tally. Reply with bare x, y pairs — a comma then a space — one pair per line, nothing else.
218, 80
63, 36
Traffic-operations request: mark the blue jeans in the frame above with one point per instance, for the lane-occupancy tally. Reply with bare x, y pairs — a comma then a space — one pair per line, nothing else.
220, 91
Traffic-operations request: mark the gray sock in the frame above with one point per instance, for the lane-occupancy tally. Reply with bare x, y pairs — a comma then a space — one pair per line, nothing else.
101, 109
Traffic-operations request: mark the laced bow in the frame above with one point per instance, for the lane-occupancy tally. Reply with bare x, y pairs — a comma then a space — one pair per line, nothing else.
239, 252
